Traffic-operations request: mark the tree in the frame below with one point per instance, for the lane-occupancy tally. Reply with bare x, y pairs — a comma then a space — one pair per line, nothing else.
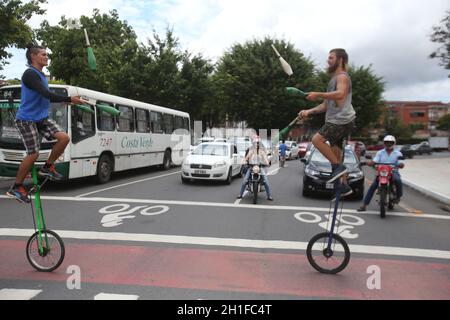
13, 25
249, 83
113, 41
441, 35
444, 122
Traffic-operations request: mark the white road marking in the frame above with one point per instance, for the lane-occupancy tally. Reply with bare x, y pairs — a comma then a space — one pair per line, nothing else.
239, 206
228, 242
18, 294
127, 184
111, 296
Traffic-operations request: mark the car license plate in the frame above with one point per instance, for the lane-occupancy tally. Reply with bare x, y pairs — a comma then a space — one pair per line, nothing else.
200, 171
329, 186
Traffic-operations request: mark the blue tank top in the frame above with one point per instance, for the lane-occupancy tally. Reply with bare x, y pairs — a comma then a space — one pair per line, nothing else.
33, 106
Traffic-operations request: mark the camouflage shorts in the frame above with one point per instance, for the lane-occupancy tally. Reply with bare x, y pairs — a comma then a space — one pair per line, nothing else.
335, 133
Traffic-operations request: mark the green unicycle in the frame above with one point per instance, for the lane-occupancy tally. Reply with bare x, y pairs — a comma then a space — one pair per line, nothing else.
45, 248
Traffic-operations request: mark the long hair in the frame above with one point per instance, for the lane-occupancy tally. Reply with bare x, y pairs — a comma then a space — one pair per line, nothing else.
32, 48
341, 54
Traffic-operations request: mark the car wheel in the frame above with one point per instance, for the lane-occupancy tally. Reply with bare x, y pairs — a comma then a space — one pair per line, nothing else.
229, 177
185, 180
305, 192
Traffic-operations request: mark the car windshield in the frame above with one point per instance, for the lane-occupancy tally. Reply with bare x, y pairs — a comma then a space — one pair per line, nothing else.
211, 149
319, 157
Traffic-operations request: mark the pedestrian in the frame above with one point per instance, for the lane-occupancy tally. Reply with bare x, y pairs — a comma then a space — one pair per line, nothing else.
32, 121
282, 149
339, 118
386, 155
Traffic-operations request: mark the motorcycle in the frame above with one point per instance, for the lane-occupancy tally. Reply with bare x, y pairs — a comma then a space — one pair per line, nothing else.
387, 193
256, 180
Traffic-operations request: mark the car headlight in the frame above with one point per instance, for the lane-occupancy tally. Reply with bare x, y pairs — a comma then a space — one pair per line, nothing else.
312, 172
356, 175
255, 169
220, 164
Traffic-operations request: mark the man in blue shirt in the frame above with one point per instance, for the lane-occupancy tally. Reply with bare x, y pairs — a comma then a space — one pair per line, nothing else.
32, 121
386, 155
282, 153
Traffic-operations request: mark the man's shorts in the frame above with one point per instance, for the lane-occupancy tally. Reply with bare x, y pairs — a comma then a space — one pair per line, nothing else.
335, 133
32, 132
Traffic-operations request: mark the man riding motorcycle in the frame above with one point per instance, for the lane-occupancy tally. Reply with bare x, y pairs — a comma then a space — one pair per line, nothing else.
386, 155
256, 155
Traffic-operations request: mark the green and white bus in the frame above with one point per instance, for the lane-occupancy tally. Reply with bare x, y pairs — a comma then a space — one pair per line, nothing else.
101, 143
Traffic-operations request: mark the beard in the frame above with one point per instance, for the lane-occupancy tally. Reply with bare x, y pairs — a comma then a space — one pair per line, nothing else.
333, 68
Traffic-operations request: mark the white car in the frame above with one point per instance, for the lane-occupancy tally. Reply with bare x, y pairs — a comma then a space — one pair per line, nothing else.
212, 161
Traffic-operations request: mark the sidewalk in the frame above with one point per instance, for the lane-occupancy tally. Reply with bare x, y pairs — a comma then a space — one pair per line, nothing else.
428, 176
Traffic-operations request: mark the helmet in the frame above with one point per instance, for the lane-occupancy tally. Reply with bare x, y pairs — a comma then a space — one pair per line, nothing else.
389, 138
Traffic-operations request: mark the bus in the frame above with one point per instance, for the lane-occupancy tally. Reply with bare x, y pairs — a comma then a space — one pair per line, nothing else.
102, 143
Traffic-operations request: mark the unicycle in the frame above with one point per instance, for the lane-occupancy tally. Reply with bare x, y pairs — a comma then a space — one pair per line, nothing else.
45, 248
328, 252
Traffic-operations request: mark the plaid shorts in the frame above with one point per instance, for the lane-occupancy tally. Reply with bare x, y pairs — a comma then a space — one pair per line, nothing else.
32, 132
335, 134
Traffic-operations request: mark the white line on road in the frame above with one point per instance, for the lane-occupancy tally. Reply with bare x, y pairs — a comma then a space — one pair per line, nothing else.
18, 294
127, 184
238, 206
227, 242
112, 296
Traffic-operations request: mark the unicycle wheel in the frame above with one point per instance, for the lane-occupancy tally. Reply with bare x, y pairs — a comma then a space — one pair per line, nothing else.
52, 254
328, 260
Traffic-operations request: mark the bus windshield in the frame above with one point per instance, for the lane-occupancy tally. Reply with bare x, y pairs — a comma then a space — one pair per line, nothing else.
9, 135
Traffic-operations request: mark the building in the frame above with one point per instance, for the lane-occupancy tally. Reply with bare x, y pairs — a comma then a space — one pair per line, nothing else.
423, 115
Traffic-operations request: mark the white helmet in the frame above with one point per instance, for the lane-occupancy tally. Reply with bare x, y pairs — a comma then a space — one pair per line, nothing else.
389, 138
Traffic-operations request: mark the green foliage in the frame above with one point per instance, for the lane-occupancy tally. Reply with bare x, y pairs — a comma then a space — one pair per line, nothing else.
441, 35
250, 83
13, 25
398, 129
444, 122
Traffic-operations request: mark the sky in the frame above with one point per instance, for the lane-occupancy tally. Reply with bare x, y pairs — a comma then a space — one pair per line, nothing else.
393, 36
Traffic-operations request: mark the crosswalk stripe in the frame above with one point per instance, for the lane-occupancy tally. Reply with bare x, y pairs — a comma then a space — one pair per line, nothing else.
18, 294
111, 296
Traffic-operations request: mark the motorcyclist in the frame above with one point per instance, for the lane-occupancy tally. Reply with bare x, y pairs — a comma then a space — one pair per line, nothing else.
256, 155
386, 155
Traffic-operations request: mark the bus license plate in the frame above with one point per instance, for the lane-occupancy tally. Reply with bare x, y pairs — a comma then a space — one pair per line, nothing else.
329, 186
200, 171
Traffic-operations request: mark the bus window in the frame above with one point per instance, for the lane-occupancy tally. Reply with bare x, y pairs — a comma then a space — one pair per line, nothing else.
156, 122
105, 121
126, 119
178, 123
142, 120
186, 124
168, 123
83, 125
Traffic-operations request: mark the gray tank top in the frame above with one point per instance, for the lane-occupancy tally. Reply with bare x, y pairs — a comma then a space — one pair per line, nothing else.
340, 115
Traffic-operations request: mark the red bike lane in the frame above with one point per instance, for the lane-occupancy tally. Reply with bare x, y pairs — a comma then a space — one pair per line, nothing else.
271, 273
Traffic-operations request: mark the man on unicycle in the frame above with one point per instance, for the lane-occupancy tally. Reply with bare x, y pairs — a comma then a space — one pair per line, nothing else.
32, 121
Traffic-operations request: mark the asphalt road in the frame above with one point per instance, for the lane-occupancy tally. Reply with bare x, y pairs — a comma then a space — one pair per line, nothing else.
145, 235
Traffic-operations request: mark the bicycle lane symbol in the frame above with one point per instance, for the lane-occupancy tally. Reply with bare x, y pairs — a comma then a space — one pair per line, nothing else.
347, 222
115, 214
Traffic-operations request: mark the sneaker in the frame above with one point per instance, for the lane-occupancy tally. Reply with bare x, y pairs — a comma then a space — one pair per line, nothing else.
362, 208
19, 193
345, 191
337, 173
270, 198
50, 173
239, 197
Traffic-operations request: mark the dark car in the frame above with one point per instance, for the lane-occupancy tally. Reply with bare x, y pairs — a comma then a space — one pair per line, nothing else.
317, 171
421, 148
406, 151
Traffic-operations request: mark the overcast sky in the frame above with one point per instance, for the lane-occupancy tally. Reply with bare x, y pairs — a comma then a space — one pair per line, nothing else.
391, 35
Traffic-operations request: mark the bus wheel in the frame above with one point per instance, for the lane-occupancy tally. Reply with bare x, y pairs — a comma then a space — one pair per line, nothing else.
104, 169
167, 160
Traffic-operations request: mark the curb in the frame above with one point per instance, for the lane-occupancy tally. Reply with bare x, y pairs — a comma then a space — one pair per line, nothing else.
432, 194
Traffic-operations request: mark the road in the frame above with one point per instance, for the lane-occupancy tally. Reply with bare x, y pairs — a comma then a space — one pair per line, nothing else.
145, 235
